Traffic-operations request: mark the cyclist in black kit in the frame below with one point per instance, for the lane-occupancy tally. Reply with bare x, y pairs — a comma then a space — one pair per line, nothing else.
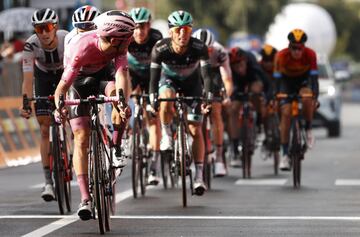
247, 77
179, 58
139, 56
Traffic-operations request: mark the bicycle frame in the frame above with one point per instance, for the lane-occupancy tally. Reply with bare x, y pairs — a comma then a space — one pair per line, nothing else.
60, 159
101, 174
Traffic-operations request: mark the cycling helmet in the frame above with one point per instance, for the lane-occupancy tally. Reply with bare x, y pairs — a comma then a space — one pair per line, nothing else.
180, 18
115, 23
140, 15
205, 36
297, 36
237, 55
84, 14
45, 15
268, 52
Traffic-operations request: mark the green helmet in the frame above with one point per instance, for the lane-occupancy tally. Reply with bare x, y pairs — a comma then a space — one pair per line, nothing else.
180, 18
140, 14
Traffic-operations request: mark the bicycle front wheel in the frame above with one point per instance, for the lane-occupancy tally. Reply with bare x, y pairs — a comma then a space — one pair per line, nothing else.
182, 156
136, 166
58, 169
295, 154
99, 195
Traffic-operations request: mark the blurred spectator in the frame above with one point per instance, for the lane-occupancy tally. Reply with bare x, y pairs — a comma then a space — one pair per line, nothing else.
12, 49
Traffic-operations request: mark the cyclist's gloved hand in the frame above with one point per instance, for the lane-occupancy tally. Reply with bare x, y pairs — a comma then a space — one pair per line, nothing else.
153, 97
226, 101
206, 107
60, 115
125, 112
25, 113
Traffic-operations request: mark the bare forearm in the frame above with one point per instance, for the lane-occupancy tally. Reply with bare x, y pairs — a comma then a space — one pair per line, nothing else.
61, 89
27, 85
122, 82
228, 84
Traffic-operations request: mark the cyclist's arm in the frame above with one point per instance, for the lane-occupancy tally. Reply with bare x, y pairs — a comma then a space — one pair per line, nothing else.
260, 74
28, 70
122, 76
226, 76
71, 70
205, 69
314, 74
155, 71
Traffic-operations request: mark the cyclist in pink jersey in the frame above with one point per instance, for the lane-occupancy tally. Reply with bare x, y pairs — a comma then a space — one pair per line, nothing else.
87, 72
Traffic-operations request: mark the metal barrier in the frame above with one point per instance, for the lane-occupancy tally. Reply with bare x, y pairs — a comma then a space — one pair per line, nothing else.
10, 79
19, 138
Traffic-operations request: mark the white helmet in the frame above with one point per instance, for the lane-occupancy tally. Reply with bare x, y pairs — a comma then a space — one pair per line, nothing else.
85, 14
115, 23
205, 36
45, 15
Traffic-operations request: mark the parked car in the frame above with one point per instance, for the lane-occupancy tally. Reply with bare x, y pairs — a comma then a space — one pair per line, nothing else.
329, 113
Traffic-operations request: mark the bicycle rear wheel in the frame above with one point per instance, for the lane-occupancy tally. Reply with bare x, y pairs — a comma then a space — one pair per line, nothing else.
58, 169
99, 195
245, 149
183, 167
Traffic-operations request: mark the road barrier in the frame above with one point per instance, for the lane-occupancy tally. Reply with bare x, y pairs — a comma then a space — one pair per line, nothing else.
19, 138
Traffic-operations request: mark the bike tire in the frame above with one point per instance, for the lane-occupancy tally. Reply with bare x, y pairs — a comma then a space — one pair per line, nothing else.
97, 176
276, 162
245, 148
295, 157
67, 169
164, 169
183, 167
135, 159
58, 170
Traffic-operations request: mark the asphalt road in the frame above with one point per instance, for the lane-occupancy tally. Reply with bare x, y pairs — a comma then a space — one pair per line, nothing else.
328, 203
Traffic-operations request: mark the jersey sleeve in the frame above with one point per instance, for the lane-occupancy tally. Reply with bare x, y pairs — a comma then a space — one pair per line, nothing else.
313, 63
155, 69
28, 57
72, 64
205, 68
121, 63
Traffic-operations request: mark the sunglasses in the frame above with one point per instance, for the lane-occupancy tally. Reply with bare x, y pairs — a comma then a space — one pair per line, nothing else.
44, 27
186, 29
296, 48
85, 25
114, 41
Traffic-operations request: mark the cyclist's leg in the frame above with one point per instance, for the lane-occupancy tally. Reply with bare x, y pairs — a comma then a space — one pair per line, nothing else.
80, 125
234, 125
167, 89
259, 103
107, 87
45, 84
193, 87
218, 130
218, 127
285, 122
308, 113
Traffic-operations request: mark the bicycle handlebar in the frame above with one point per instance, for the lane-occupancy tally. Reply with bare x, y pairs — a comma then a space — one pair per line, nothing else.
294, 96
190, 98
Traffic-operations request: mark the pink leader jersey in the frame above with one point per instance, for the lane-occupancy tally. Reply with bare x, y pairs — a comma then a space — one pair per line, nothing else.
83, 56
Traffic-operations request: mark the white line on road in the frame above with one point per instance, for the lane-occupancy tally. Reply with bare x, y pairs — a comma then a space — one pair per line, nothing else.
347, 182
66, 220
50, 227
71, 218
324, 218
261, 182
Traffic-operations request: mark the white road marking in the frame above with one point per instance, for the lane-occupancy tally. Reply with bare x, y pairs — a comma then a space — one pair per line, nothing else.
261, 182
51, 227
347, 182
71, 218
320, 218
65, 220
